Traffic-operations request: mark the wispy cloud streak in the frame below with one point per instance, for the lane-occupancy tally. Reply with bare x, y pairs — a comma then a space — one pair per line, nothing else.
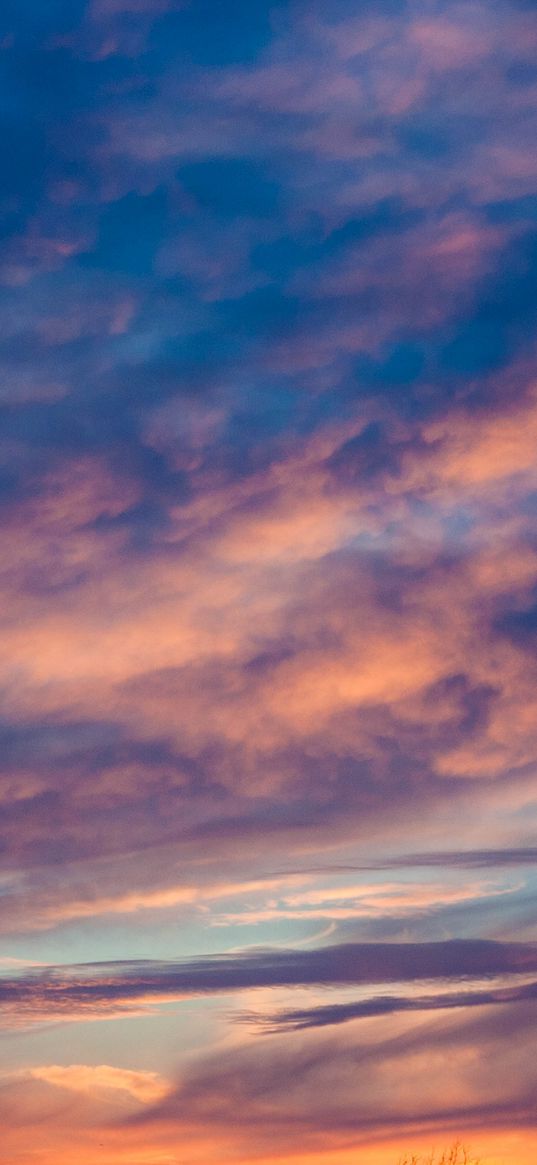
83, 990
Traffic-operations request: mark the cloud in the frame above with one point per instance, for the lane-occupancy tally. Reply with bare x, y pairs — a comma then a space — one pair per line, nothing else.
386, 900
337, 1013
146, 1087
472, 858
106, 990
42, 1108
268, 586
411, 1075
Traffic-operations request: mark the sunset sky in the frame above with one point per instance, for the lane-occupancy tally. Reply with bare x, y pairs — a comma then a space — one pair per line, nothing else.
268, 581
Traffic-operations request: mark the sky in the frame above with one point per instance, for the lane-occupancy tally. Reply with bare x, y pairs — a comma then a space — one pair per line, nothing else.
268, 581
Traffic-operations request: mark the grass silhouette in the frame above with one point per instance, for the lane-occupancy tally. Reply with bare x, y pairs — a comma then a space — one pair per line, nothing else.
456, 1155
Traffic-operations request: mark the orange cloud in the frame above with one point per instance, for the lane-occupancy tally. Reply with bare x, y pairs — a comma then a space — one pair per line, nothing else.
147, 1087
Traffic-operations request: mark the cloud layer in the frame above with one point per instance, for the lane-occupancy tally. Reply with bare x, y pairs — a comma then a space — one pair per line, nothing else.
268, 583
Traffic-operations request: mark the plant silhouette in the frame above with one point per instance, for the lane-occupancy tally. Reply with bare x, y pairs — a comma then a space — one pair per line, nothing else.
456, 1155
